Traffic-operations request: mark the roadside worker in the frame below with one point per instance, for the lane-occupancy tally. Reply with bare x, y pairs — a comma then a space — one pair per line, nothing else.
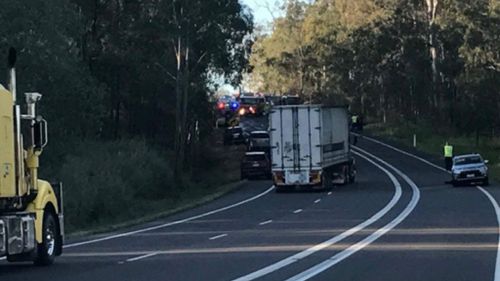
448, 156
354, 122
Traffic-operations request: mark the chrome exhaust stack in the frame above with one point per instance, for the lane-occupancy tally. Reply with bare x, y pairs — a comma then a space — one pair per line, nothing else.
11, 62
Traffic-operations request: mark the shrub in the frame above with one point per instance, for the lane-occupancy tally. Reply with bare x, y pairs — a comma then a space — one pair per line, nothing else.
113, 181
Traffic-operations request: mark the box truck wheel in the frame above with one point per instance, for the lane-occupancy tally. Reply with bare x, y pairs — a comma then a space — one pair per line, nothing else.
46, 250
326, 180
352, 176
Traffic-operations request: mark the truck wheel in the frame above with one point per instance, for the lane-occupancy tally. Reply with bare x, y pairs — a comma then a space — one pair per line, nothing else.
326, 181
352, 178
279, 189
46, 250
347, 178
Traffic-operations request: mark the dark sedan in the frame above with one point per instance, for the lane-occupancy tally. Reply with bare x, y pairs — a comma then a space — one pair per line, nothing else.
255, 164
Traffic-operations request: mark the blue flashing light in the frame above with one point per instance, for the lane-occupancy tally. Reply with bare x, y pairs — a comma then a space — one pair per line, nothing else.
234, 105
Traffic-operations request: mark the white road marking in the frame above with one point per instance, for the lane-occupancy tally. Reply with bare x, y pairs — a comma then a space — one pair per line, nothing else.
317, 201
497, 212
329, 193
404, 152
141, 257
266, 222
170, 223
297, 211
317, 269
218, 236
303, 254
490, 197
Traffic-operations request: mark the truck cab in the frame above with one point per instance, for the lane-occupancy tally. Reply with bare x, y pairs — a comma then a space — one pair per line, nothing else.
31, 215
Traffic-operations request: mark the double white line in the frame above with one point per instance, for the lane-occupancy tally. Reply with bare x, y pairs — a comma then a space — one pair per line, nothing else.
315, 270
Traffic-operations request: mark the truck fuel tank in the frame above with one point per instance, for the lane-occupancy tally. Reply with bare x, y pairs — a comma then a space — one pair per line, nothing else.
20, 230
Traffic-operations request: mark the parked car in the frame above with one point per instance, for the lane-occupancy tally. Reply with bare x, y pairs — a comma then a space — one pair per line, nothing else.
259, 141
469, 168
255, 163
233, 135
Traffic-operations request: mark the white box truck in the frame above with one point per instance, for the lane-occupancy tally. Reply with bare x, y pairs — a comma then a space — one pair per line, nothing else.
310, 146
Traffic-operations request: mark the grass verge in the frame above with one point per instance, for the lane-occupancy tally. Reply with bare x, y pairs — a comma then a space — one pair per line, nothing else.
181, 206
431, 141
115, 184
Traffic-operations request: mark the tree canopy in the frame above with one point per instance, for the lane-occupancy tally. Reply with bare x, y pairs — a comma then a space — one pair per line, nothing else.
126, 69
434, 60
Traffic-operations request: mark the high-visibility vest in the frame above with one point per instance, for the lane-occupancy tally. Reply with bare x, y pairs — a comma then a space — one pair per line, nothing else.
448, 151
354, 119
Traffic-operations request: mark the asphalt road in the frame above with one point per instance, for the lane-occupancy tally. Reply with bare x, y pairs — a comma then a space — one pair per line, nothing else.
399, 221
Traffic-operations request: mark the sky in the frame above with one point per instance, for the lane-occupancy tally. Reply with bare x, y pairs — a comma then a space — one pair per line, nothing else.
263, 10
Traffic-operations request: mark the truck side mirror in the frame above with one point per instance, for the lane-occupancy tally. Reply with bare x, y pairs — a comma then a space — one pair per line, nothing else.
40, 135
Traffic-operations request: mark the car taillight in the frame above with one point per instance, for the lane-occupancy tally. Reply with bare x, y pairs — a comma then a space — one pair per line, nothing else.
252, 110
241, 111
221, 105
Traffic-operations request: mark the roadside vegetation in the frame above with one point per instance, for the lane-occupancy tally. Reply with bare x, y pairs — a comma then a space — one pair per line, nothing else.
126, 181
126, 88
431, 140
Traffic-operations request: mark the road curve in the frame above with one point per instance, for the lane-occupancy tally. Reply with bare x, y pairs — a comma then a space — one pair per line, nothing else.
446, 234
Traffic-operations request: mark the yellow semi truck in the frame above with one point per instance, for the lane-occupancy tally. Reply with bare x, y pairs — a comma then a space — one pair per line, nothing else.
31, 213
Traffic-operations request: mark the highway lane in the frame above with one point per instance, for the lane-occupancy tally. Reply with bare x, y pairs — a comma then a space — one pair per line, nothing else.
451, 234
186, 252
208, 260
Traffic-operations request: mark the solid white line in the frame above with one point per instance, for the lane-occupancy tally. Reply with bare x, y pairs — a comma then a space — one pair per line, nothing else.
141, 257
217, 237
266, 222
491, 198
170, 223
497, 212
317, 201
301, 255
297, 211
404, 152
329, 193
317, 269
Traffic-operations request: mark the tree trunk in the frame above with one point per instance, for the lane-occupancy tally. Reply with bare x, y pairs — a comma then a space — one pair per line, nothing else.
185, 102
431, 17
178, 114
